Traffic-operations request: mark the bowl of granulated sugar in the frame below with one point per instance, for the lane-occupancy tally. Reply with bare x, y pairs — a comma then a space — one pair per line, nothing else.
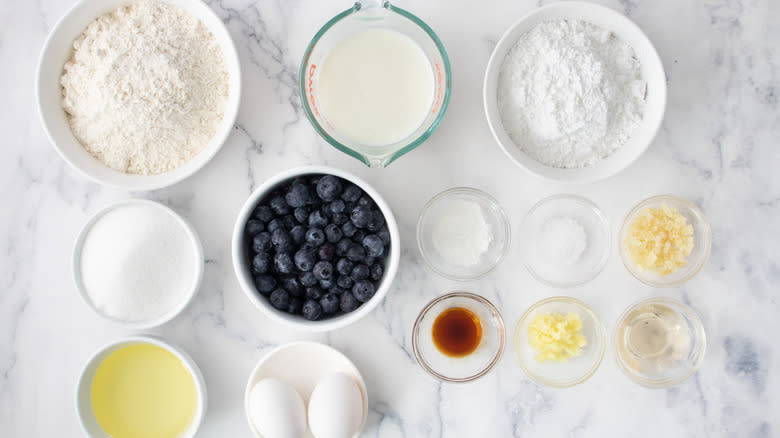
138, 95
574, 92
137, 263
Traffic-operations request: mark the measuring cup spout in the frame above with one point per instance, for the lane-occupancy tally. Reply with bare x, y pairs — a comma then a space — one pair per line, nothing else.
366, 4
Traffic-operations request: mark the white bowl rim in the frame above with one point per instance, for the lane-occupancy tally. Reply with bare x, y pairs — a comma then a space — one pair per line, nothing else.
230, 55
310, 344
186, 359
142, 324
566, 176
295, 321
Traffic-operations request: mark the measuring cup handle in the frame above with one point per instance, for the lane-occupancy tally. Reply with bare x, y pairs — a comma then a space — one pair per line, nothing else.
365, 4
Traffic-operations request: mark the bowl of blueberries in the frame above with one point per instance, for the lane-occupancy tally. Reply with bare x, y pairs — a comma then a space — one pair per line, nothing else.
315, 248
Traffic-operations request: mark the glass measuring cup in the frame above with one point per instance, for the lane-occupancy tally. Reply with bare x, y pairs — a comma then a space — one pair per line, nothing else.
371, 14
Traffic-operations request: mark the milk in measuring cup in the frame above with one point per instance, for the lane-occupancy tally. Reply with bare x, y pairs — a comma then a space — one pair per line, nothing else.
376, 87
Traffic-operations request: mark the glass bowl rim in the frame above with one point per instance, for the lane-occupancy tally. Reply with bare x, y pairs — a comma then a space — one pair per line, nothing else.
703, 224
600, 334
501, 327
497, 210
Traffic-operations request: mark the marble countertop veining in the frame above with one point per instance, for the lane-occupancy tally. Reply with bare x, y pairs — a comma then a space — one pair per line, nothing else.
717, 147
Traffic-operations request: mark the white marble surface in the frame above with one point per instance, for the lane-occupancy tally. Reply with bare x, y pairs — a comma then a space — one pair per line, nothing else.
718, 147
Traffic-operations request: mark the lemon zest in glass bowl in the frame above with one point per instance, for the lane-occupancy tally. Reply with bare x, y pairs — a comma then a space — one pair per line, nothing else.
556, 337
659, 239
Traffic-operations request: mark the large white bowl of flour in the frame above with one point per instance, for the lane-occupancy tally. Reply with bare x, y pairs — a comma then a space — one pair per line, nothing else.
652, 73
58, 50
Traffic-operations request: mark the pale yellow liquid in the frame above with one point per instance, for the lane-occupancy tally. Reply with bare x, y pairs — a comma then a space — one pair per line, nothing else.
143, 391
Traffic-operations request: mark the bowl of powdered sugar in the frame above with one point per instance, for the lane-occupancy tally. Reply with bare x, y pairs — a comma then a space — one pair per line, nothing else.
574, 92
138, 95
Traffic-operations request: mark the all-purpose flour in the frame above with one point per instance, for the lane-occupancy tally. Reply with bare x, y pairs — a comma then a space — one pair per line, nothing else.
145, 88
570, 93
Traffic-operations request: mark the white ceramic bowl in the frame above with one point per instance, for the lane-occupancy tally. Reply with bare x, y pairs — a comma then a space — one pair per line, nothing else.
84, 386
167, 316
242, 268
302, 365
652, 72
57, 50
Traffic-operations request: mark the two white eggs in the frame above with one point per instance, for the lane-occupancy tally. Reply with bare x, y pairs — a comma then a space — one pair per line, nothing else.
335, 408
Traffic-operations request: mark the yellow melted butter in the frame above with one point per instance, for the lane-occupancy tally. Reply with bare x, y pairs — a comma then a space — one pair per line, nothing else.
556, 337
143, 391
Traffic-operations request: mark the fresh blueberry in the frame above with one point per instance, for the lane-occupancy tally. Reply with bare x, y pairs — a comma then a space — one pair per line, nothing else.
345, 281
351, 193
263, 213
329, 187
314, 293
280, 299
373, 245
315, 236
360, 272
295, 307
301, 215
262, 242
356, 253
336, 290
365, 201
330, 303
261, 263
307, 279
265, 284
279, 205
283, 263
281, 240
337, 206
384, 234
333, 233
343, 246
254, 227
274, 225
317, 219
327, 252
376, 272
361, 216
312, 310
348, 302
363, 290
323, 270
297, 196
359, 236
339, 218
327, 284
368, 261
289, 221
293, 286
344, 266
348, 229
305, 259
298, 234
377, 221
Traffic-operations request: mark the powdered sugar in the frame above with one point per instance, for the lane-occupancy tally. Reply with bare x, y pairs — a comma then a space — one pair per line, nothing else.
146, 87
570, 93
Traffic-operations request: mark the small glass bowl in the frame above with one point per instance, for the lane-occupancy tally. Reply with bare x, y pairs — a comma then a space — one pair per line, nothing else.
494, 216
574, 370
702, 242
466, 368
657, 369
597, 234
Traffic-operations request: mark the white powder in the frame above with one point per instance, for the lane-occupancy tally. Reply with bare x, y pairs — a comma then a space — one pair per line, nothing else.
562, 240
138, 263
461, 234
145, 88
570, 93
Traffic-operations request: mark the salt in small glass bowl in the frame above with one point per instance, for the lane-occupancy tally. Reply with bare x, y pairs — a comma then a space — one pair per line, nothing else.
597, 234
494, 216
686, 352
702, 242
576, 369
469, 367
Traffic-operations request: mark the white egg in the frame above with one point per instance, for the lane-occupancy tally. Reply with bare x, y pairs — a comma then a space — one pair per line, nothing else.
335, 407
276, 409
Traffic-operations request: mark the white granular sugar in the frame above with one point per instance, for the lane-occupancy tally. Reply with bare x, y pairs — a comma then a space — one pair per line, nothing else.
570, 93
145, 88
